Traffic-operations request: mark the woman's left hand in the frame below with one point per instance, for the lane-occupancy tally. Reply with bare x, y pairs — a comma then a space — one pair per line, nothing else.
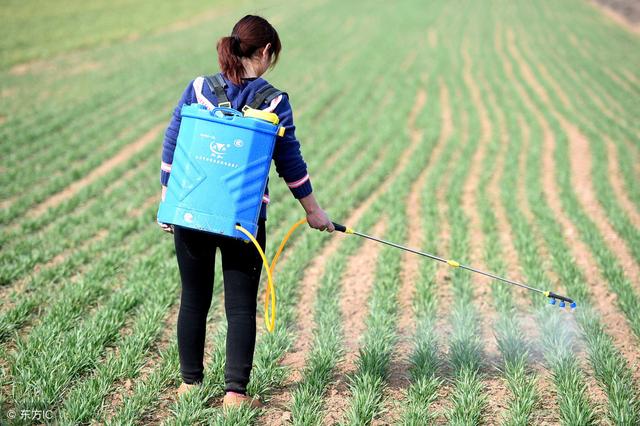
318, 219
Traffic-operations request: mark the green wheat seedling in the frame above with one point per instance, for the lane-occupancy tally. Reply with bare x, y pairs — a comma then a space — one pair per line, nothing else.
519, 222
74, 331
510, 338
601, 181
425, 359
465, 346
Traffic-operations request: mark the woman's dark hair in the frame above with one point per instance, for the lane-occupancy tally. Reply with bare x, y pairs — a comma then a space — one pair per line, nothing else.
249, 34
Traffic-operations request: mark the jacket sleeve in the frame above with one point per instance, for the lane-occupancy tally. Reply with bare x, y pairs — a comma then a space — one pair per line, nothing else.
171, 135
287, 156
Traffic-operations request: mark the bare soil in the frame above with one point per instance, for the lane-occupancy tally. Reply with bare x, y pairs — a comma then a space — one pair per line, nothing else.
444, 293
581, 167
123, 155
625, 13
295, 358
398, 379
338, 393
619, 187
622, 83
495, 387
547, 174
433, 38
123, 389
19, 285
357, 282
148, 202
545, 386
482, 290
633, 78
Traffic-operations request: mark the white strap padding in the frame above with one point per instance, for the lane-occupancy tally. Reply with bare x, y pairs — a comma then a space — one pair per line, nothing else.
197, 88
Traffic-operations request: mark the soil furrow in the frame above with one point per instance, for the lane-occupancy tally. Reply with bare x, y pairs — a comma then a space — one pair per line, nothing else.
583, 256
623, 84
494, 386
444, 295
122, 156
581, 167
482, 289
399, 365
433, 38
19, 286
581, 163
596, 393
603, 300
618, 185
124, 389
308, 287
631, 77
615, 17
531, 332
444, 328
357, 283
338, 392
145, 205
564, 99
398, 371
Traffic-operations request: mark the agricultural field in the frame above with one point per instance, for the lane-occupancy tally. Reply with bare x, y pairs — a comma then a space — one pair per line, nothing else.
502, 134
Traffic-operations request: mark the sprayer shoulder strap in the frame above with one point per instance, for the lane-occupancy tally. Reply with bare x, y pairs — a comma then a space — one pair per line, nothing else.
218, 85
265, 94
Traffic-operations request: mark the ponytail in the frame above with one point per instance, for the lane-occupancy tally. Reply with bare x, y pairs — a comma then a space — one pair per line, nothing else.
229, 59
250, 34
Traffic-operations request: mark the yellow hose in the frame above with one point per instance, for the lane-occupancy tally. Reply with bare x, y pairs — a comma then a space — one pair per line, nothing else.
270, 293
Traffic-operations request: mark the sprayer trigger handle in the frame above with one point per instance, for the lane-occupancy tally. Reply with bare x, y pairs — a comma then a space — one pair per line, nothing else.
339, 227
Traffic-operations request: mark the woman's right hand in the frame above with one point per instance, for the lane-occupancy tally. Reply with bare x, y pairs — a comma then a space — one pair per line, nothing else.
164, 226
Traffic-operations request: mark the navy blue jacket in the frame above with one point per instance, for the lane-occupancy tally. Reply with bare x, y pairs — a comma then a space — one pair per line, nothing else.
286, 154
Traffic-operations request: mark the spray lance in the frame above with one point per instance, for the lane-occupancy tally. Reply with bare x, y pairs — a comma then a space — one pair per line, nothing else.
270, 292
553, 297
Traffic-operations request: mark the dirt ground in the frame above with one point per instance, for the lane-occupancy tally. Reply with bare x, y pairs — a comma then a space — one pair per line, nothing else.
627, 9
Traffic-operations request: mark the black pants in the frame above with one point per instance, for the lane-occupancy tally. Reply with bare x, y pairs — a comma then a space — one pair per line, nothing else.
241, 267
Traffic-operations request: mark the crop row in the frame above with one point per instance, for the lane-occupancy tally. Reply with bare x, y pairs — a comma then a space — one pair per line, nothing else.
94, 141
599, 132
604, 358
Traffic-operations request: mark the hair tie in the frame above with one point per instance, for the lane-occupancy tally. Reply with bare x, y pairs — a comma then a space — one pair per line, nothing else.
236, 44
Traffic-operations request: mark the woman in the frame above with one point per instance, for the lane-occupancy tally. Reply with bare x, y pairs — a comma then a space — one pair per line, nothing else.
251, 49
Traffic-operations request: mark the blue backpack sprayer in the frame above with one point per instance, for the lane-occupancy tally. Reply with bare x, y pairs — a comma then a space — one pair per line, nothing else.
220, 169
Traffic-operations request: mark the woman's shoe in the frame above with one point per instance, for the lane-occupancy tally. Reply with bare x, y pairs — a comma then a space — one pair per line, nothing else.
233, 399
186, 387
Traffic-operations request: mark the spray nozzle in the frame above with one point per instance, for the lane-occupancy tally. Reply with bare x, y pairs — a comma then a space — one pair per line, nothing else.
563, 300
